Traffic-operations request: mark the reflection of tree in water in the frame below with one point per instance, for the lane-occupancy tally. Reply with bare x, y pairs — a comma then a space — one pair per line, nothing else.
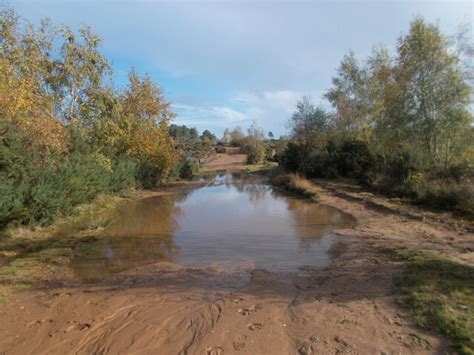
140, 233
313, 221
250, 184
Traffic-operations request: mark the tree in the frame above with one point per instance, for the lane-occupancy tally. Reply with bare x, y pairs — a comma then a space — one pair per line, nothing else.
208, 136
237, 136
226, 138
309, 125
270, 134
429, 111
348, 96
146, 115
253, 145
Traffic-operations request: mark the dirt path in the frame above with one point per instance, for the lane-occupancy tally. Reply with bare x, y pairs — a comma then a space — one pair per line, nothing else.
232, 159
231, 309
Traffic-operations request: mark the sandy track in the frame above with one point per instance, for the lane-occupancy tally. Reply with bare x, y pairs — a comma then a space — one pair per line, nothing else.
222, 161
233, 309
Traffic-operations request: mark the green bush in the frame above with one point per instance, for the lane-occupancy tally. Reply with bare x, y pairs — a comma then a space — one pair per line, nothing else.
400, 166
354, 159
255, 153
316, 165
148, 174
187, 169
292, 157
31, 192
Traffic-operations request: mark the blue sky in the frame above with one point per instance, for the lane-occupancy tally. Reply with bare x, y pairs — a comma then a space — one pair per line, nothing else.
233, 62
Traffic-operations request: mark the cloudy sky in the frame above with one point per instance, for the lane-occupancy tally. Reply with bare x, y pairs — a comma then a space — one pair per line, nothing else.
227, 63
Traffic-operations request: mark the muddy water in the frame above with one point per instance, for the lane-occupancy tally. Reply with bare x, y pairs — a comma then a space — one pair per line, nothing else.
236, 219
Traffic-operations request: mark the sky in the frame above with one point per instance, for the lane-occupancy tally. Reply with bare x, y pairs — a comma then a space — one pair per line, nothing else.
234, 62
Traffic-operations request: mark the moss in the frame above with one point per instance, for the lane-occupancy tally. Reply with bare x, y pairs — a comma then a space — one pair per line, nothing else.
440, 295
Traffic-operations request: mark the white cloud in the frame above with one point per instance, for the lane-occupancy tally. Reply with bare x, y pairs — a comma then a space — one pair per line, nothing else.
268, 109
282, 100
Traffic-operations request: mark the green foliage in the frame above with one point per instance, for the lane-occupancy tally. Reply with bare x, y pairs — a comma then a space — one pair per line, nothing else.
317, 165
310, 126
39, 194
350, 158
148, 174
354, 159
190, 144
292, 157
187, 169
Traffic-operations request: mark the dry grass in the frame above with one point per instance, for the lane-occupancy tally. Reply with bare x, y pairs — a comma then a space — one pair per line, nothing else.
295, 184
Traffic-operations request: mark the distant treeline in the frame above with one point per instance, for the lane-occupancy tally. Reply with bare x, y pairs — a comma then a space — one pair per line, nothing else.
67, 133
401, 123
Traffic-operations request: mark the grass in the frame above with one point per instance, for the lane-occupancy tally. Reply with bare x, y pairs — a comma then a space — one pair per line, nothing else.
440, 295
295, 184
39, 253
260, 167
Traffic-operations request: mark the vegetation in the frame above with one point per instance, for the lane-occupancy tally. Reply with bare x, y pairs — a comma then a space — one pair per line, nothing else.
401, 125
31, 251
440, 293
253, 144
68, 134
295, 184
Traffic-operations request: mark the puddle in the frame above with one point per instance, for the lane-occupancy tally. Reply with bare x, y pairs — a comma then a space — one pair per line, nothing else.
237, 218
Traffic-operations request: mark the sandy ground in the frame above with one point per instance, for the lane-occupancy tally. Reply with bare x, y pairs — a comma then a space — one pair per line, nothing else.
166, 308
233, 159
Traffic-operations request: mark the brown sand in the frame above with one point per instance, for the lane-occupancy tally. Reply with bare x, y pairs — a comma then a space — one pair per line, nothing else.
233, 159
170, 309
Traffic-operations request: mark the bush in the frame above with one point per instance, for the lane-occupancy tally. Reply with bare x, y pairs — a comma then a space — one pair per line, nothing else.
292, 157
400, 166
220, 149
187, 169
316, 165
446, 195
148, 174
40, 194
354, 159
255, 153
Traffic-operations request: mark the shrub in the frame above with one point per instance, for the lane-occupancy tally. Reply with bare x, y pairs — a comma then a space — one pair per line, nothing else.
316, 165
148, 174
292, 157
354, 159
40, 194
446, 195
187, 169
400, 166
255, 153
220, 149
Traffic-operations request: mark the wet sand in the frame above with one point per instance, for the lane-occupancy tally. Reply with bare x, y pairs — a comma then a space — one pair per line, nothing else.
347, 307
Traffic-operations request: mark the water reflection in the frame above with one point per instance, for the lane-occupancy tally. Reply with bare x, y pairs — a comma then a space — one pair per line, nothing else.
237, 218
